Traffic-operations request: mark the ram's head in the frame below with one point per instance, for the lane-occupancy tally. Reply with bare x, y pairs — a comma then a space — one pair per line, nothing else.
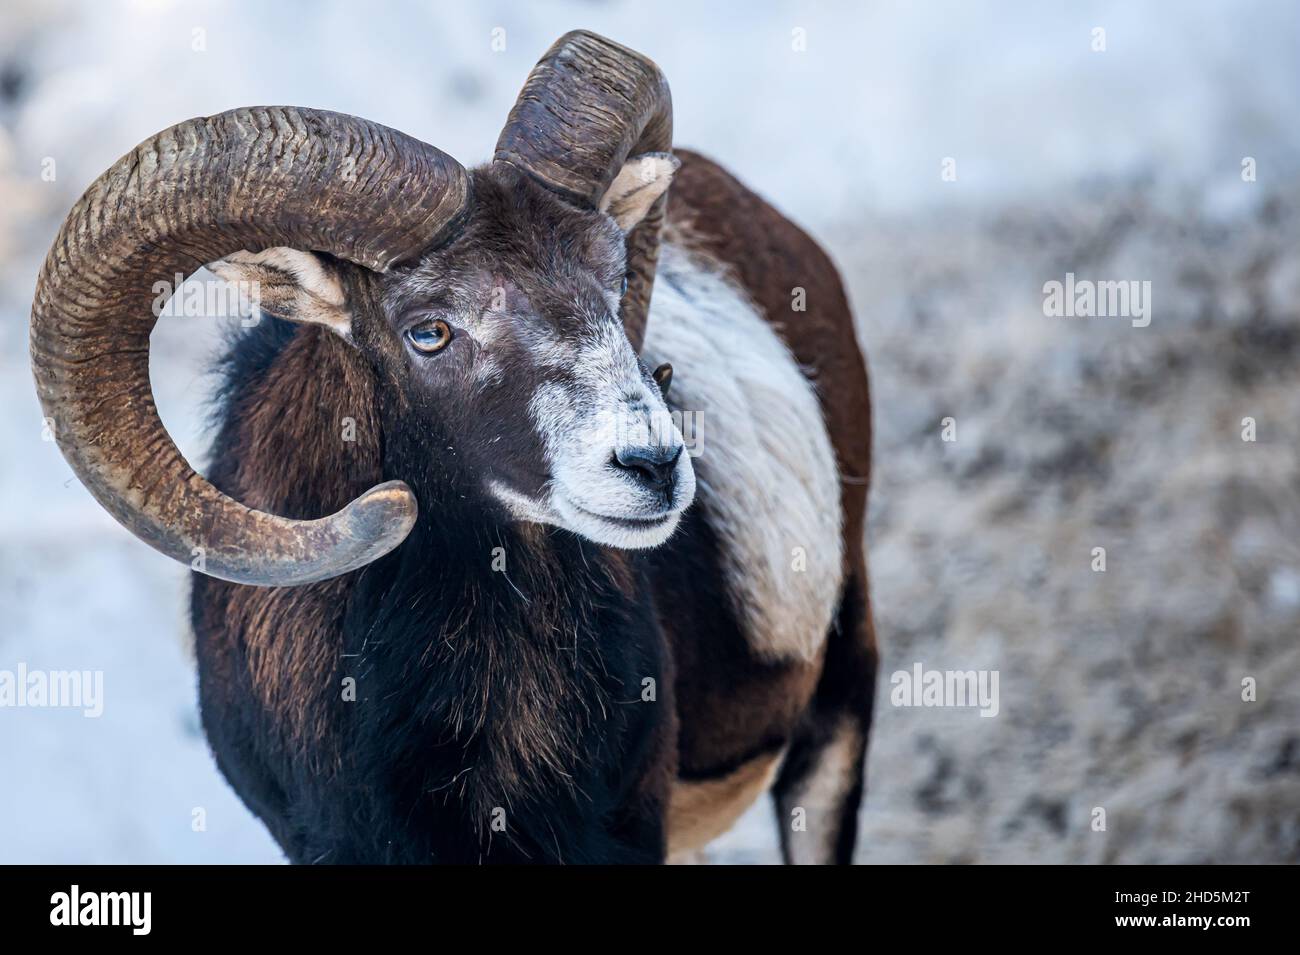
501, 309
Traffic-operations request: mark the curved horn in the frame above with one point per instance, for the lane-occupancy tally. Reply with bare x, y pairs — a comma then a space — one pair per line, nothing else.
587, 106
244, 179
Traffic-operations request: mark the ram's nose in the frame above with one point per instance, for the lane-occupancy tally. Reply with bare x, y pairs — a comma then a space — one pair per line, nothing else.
652, 465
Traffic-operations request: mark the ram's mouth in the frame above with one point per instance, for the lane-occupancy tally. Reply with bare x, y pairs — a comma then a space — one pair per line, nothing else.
631, 523
618, 531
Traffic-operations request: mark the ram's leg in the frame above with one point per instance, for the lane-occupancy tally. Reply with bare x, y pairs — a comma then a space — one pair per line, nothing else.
820, 786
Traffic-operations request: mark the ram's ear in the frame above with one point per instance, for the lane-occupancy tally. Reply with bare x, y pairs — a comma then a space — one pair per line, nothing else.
641, 181
289, 284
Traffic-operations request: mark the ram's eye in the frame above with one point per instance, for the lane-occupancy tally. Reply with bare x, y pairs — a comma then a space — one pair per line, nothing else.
430, 337
623, 290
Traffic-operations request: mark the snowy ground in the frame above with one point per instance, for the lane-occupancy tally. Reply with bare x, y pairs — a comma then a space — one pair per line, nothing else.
1119, 691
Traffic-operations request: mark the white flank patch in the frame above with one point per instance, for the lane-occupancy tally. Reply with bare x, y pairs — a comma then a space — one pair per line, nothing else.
766, 472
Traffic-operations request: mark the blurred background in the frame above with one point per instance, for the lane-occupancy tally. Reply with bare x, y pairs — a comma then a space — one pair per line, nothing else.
1119, 155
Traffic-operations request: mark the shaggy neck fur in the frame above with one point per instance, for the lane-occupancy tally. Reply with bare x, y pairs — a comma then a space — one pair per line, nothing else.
496, 669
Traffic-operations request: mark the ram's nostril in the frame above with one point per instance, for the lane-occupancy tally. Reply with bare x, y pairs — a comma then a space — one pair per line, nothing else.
651, 464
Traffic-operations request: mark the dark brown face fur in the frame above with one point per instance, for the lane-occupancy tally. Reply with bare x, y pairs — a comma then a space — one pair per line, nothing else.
536, 394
